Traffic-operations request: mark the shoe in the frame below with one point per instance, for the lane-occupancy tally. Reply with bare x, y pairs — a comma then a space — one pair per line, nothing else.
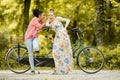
32, 72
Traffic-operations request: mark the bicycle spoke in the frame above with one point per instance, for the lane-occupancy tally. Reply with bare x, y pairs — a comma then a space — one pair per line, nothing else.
15, 52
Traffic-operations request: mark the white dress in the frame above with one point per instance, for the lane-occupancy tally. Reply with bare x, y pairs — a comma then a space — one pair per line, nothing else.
61, 51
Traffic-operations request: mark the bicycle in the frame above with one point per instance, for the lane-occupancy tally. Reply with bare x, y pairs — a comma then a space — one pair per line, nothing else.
89, 59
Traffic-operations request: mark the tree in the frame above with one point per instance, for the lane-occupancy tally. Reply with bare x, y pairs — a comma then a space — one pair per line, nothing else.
37, 4
100, 21
26, 14
109, 21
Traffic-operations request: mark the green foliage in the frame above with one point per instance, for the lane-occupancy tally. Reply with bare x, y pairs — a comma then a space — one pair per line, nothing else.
2, 61
111, 55
81, 13
3, 41
3, 45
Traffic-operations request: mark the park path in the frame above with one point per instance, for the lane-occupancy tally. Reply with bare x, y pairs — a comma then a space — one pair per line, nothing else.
74, 75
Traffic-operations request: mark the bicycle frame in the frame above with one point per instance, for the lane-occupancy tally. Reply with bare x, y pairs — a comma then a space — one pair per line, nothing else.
75, 48
78, 42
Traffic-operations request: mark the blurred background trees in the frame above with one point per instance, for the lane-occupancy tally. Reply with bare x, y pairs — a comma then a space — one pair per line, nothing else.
99, 18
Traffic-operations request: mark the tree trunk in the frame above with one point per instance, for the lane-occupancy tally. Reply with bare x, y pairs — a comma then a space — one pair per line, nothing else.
26, 15
75, 22
110, 23
100, 22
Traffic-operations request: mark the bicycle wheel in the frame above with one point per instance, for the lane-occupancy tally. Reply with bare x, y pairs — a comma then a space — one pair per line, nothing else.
17, 59
90, 60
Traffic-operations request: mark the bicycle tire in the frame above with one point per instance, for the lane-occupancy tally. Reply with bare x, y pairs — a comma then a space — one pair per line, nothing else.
91, 63
18, 63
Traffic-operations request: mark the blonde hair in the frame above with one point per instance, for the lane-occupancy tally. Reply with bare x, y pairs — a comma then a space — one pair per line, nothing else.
51, 10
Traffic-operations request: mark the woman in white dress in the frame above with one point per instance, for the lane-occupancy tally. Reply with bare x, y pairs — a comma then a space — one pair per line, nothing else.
61, 51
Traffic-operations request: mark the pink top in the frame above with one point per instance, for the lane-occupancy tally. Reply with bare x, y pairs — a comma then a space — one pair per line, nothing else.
33, 28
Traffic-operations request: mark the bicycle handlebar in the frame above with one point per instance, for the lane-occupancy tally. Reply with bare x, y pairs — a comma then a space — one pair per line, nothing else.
78, 29
46, 28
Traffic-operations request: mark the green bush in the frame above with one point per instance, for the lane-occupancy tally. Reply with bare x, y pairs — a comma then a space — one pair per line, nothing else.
112, 57
111, 53
3, 45
3, 41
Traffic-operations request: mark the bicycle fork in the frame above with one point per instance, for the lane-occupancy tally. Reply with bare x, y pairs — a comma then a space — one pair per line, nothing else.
87, 56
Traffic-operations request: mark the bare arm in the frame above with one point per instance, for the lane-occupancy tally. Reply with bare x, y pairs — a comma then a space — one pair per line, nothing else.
64, 20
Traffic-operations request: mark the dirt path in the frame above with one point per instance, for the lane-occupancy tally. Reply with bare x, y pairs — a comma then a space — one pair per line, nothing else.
74, 75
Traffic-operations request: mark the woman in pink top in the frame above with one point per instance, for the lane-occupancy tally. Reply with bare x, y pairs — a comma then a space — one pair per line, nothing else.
31, 35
